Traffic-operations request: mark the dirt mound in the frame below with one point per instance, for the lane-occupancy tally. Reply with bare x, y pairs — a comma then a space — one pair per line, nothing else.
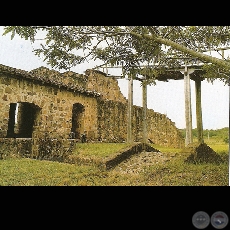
201, 153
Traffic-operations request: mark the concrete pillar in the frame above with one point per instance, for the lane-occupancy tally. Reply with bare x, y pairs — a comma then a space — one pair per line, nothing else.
130, 110
144, 98
188, 107
199, 112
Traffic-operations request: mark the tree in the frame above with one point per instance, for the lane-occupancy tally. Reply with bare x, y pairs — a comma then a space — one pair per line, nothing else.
145, 50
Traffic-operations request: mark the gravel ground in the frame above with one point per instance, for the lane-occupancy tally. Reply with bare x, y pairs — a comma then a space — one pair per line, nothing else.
136, 163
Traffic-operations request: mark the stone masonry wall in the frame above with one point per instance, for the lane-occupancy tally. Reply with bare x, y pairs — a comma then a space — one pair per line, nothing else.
53, 102
55, 107
112, 115
112, 125
107, 86
103, 107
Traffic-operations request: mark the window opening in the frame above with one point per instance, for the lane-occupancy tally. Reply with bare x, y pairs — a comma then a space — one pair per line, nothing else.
21, 120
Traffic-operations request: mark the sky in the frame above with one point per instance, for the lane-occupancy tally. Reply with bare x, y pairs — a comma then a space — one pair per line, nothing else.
165, 97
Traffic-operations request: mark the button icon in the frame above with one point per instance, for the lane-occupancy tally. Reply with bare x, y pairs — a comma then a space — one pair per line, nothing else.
219, 220
201, 220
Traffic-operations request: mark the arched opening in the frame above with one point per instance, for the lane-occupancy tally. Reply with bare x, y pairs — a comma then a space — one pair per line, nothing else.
77, 120
21, 120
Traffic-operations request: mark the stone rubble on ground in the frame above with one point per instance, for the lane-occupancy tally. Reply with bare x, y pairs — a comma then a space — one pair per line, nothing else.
136, 163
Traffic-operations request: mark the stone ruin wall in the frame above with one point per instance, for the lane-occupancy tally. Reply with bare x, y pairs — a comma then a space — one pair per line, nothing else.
112, 116
53, 103
107, 86
112, 125
54, 107
53, 95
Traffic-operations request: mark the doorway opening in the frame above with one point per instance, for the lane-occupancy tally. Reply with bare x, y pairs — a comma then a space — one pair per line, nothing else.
77, 120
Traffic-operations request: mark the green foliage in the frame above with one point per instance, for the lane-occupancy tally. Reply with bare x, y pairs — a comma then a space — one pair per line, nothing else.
27, 32
226, 140
219, 134
155, 47
212, 72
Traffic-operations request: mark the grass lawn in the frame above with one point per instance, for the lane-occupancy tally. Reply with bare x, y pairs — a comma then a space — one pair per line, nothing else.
175, 172
101, 150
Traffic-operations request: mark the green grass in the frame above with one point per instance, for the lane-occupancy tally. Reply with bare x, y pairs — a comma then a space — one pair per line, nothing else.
100, 149
166, 149
29, 172
178, 173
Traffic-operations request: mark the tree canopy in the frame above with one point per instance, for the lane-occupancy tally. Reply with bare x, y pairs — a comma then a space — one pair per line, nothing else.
138, 49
